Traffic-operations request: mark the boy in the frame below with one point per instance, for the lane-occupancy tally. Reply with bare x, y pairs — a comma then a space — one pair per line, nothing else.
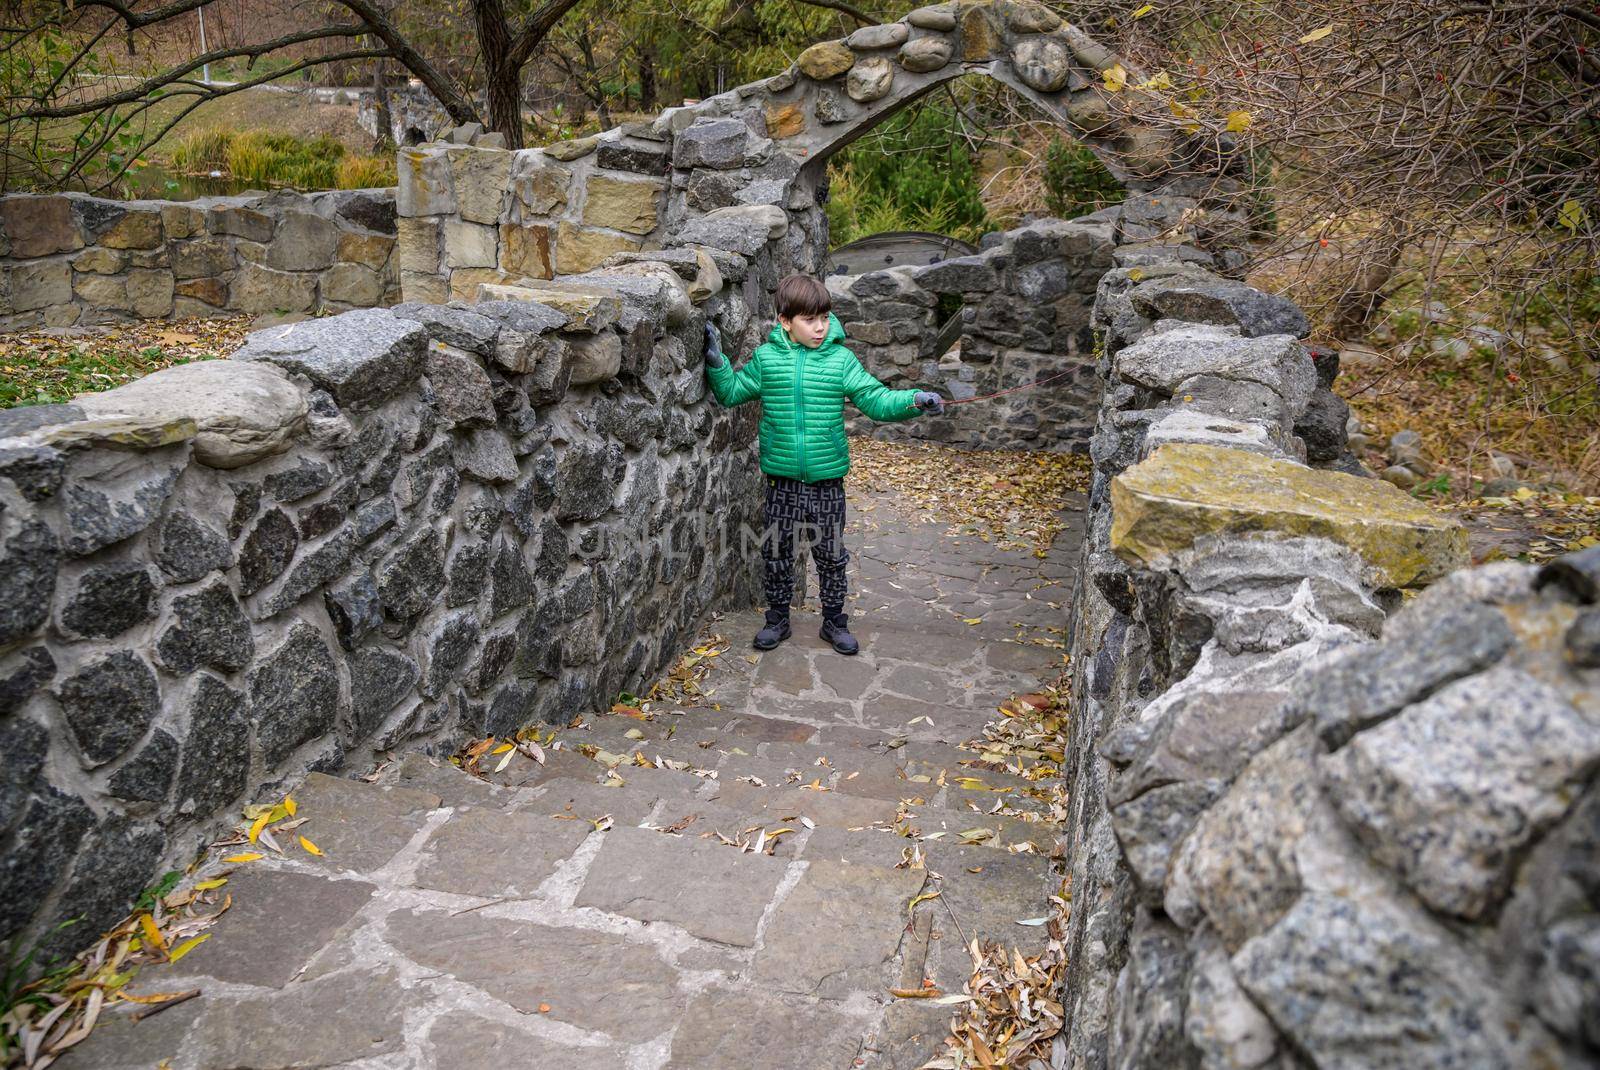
802, 374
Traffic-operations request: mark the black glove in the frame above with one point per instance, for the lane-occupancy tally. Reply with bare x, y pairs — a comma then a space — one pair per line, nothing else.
928, 401
714, 355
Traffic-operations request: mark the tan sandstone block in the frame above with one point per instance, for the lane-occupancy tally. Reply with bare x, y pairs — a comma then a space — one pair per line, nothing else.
1185, 491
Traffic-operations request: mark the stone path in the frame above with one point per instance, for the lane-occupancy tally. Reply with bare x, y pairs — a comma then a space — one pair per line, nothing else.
456, 923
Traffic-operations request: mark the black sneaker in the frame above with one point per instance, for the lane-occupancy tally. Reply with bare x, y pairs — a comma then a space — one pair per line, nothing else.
836, 631
775, 631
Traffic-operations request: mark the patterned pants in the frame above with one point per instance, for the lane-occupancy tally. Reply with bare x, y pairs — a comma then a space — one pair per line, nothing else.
814, 512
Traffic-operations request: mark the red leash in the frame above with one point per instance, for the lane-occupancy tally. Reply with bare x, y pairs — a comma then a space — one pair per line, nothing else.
1010, 390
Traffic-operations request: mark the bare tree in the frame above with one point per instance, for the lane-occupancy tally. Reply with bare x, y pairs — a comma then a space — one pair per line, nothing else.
116, 111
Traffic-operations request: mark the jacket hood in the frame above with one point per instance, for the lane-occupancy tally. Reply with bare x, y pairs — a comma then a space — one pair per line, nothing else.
779, 337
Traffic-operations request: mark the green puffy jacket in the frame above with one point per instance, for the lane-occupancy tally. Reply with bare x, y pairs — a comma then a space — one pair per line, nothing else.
802, 394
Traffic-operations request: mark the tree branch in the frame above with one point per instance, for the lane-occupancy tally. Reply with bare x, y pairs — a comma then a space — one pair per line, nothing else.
176, 74
455, 102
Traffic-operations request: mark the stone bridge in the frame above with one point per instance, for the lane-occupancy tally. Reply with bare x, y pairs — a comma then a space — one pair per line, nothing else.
1331, 796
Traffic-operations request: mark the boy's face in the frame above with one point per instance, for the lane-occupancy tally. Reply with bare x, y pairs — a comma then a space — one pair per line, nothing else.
809, 331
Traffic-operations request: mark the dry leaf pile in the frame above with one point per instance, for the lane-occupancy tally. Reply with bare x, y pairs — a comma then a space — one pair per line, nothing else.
1533, 526
1008, 1016
41, 367
683, 683
1012, 498
57, 1011
45, 1017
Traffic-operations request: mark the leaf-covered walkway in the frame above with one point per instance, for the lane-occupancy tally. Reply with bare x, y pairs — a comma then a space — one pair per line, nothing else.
780, 866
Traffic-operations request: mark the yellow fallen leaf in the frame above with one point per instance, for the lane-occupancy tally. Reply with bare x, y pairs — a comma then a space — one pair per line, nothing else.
206, 886
1318, 34
152, 934
289, 805
922, 898
1143, 11
188, 946
972, 620
504, 748
1238, 122
310, 847
248, 856
1115, 78
260, 823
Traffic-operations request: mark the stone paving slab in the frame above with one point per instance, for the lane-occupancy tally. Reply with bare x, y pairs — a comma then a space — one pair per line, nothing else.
525, 772
356, 827
814, 711
594, 980
461, 1041
702, 820
786, 668
707, 888
913, 1032
278, 921
758, 729
495, 854
120, 1043
449, 783
788, 804
838, 931
731, 1029
651, 950
844, 757
845, 678
321, 1023
565, 799
1004, 831
665, 783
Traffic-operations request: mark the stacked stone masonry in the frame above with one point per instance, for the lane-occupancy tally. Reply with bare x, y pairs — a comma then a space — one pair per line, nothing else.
1334, 796
1022, 306
749, 166
385, 529
73, 260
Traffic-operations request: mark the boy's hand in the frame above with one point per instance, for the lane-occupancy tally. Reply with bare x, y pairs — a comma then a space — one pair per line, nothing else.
714, 355
928, 401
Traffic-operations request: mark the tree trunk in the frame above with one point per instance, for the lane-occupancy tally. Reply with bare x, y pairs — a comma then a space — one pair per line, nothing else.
1366, 291
647, 80
380, 99
505, 105
502, 72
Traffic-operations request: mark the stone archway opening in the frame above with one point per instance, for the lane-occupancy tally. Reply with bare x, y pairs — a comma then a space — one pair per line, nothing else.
931, 182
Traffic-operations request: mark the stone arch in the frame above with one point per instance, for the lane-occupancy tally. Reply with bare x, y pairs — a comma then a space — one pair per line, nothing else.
844, 88
741, 171
768, 143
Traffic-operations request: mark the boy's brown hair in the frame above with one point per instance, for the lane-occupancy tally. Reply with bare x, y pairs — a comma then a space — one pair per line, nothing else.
802, 295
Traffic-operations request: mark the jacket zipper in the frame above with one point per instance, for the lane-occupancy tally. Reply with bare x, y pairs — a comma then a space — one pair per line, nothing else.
799, 406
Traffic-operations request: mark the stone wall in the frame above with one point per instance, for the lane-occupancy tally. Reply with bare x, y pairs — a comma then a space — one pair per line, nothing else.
749, 166
1334, 804
70, 259
390, 528
1024, 306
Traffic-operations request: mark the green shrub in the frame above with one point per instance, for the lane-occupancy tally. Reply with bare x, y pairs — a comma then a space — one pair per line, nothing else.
203, 150
366, 172
1076, 182
261, 157
909, 174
